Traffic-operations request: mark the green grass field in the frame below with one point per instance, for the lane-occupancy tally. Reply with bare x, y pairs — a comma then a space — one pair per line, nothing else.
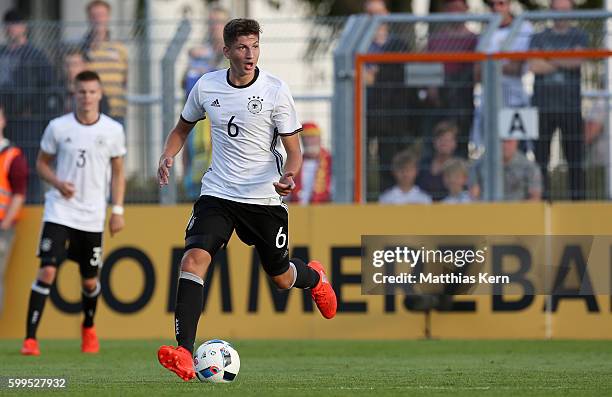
327, 368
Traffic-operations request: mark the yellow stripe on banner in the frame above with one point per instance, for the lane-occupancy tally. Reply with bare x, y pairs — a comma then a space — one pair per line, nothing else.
140, 260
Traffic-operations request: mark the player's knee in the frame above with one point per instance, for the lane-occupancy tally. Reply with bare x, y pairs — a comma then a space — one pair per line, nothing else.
90, 284
196, 261
46, 274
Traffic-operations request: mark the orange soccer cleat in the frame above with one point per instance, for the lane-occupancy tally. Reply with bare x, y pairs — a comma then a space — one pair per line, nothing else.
89, 340
177, 360
30, 347
323, 294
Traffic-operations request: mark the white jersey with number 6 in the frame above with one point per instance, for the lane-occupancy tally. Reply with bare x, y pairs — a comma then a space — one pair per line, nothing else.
246, 122
83, 154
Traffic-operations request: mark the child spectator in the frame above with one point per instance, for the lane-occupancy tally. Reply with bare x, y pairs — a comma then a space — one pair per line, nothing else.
405, 170
455, 174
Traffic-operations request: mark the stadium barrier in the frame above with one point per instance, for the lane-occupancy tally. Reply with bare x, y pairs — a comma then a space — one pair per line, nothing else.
141, 263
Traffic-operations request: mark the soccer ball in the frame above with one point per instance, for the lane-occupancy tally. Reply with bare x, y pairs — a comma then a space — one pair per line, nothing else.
216, 361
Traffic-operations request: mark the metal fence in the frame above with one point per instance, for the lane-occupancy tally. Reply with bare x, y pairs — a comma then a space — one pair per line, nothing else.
158, 62
413, 73
525, 107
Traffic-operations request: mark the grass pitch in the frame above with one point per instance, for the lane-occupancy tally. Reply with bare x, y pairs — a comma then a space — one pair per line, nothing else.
330, 368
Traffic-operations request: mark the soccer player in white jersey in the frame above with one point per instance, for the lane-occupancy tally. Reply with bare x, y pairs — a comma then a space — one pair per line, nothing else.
255, 154
87, 148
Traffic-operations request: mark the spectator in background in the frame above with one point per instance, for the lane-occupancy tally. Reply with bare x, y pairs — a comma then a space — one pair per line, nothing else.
24, 70
430, 178
73, 64
372, 8
375, 7
389, 122
107, 57
556, 93
596, 148
405, 170
381, 38
26, 80
13, 183
217, 18
313, 183
208, 56
456, 172
455, 98
513, 92
522, 178
203, 58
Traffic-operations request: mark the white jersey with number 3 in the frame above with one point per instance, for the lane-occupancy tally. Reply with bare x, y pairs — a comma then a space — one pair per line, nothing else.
83, 153
246, 122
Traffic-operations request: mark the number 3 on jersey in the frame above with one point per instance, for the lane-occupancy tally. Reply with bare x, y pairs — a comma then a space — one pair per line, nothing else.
81, 159
232, 129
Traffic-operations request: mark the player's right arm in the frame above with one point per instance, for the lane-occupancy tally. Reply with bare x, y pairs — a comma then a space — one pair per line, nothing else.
193, 111
44, 168
175, 141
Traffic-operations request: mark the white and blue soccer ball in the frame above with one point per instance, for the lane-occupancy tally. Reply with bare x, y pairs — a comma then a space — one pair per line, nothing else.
216, 361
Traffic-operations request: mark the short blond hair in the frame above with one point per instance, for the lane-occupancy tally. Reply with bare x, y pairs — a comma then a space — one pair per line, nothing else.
455, 165
404, 158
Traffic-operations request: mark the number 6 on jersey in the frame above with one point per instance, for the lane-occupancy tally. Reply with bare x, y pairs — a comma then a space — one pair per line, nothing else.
232, 129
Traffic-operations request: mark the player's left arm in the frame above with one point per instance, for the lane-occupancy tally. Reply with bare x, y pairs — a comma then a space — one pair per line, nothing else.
117, 221
291, 144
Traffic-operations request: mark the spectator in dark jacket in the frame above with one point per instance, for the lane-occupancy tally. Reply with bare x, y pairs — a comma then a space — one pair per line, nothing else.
27, 92
431, 178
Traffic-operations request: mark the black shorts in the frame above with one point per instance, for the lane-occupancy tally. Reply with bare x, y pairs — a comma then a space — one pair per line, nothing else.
265, 226
58, 242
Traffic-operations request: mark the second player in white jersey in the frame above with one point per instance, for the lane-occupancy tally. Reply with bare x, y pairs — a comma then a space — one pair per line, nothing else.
80, 153
83, 153
246, 122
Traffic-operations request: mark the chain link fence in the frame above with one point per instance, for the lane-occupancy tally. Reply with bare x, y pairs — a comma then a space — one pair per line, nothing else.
522, 111
146, 69
409, 104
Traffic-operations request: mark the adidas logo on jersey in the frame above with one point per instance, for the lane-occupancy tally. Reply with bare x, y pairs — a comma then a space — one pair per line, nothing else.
216, 103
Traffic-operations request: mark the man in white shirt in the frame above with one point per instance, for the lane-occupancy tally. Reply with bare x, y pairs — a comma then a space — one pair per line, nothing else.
242, 190
87, 148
